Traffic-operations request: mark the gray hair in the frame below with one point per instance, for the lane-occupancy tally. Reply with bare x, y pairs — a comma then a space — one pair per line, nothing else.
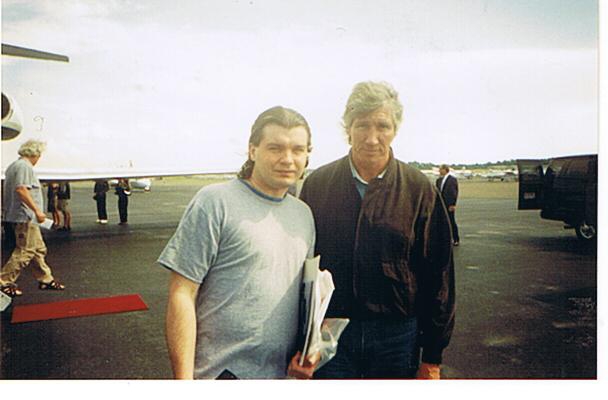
32, 148
278, 115
367, 97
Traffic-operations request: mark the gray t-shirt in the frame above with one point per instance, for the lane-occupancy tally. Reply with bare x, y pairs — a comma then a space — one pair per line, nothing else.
247, 250
20, 173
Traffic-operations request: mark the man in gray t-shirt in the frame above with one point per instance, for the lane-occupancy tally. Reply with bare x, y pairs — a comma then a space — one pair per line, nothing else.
236, 260
22, 208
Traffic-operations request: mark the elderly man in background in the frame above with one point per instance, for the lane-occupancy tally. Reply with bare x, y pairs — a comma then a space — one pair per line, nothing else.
384, 234
22, 208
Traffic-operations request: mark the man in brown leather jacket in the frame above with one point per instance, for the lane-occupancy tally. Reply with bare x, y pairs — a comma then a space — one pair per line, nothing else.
384, 234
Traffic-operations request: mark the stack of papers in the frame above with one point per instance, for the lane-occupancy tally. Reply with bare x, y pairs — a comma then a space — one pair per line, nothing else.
5, 301
317, 288
47, 224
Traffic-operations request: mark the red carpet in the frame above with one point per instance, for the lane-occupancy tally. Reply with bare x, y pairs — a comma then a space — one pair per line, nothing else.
78, 308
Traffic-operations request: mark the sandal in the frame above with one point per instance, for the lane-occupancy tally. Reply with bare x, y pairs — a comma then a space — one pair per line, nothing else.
52, 285
11, 291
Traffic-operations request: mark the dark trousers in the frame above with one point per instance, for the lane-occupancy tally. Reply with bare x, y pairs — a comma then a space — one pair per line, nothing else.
452, 216
123, 204
8, 239
375, 349
101, 206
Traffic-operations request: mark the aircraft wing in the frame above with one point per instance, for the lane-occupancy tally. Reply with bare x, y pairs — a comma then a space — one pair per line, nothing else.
16, 51
71, 175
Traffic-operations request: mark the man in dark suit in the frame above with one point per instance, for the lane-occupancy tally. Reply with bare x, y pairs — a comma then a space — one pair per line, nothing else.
448, 186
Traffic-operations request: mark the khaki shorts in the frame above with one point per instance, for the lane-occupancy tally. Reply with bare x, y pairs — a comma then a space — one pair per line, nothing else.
62, 205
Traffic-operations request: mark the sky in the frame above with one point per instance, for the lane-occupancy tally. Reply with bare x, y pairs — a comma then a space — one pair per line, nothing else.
166, 84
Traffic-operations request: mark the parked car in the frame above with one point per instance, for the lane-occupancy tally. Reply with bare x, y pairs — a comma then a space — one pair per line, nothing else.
564, 189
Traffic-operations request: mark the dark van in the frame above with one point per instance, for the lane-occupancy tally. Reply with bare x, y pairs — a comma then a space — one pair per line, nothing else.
564, 189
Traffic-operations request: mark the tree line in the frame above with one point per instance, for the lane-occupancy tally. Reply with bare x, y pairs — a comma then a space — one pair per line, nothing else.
489, 164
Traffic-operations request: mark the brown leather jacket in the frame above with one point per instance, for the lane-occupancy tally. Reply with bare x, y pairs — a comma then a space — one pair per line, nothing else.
390, 253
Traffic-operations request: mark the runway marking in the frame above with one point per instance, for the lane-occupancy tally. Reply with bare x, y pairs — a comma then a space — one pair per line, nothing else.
501, 341
472, 267
572, 325
492, 233
494, 292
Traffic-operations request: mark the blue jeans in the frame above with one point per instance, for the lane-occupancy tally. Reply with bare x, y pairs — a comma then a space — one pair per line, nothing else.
375, 349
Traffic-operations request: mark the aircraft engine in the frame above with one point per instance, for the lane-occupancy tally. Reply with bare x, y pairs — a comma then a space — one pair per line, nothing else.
11, 118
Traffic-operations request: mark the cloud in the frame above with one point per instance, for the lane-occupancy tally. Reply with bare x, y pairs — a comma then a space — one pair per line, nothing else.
154, 82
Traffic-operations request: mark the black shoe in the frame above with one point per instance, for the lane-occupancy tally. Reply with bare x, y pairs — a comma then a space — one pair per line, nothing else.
11, 291
456, 244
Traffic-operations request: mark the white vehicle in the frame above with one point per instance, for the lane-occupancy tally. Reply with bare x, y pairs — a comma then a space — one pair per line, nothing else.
462, 173
507, 175
431, 173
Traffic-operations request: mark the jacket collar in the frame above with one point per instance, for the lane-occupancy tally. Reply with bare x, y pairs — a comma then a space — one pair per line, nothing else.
387, 172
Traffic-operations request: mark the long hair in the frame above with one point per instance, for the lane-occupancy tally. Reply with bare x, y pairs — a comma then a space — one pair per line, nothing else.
284, 117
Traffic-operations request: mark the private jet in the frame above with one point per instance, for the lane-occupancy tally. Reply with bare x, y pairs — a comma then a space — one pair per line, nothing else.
57, 168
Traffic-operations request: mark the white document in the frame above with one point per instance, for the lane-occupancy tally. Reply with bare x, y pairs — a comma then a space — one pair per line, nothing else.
317, 288
5, 301
47, 224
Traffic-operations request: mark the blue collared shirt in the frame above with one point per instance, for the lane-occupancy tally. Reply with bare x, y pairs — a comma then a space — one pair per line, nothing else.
361, 183
20, 173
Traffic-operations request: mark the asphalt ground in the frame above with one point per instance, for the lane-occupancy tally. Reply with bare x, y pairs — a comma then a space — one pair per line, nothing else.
526, 295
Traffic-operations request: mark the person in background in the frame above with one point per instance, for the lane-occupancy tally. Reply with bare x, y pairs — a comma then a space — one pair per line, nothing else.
22, 207
236, 263
63, 205
51, 197
123, 191
383, 233
447, 184
100, 189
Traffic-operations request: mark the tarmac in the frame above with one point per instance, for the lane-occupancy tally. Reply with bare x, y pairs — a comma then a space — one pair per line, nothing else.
526, 295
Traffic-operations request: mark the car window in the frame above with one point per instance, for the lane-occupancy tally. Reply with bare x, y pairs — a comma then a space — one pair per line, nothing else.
555, 166
529, 172
577, 168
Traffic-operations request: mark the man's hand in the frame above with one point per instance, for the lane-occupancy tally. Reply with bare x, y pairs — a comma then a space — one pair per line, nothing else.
294, 370
451, 208
40, 216
428, 371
